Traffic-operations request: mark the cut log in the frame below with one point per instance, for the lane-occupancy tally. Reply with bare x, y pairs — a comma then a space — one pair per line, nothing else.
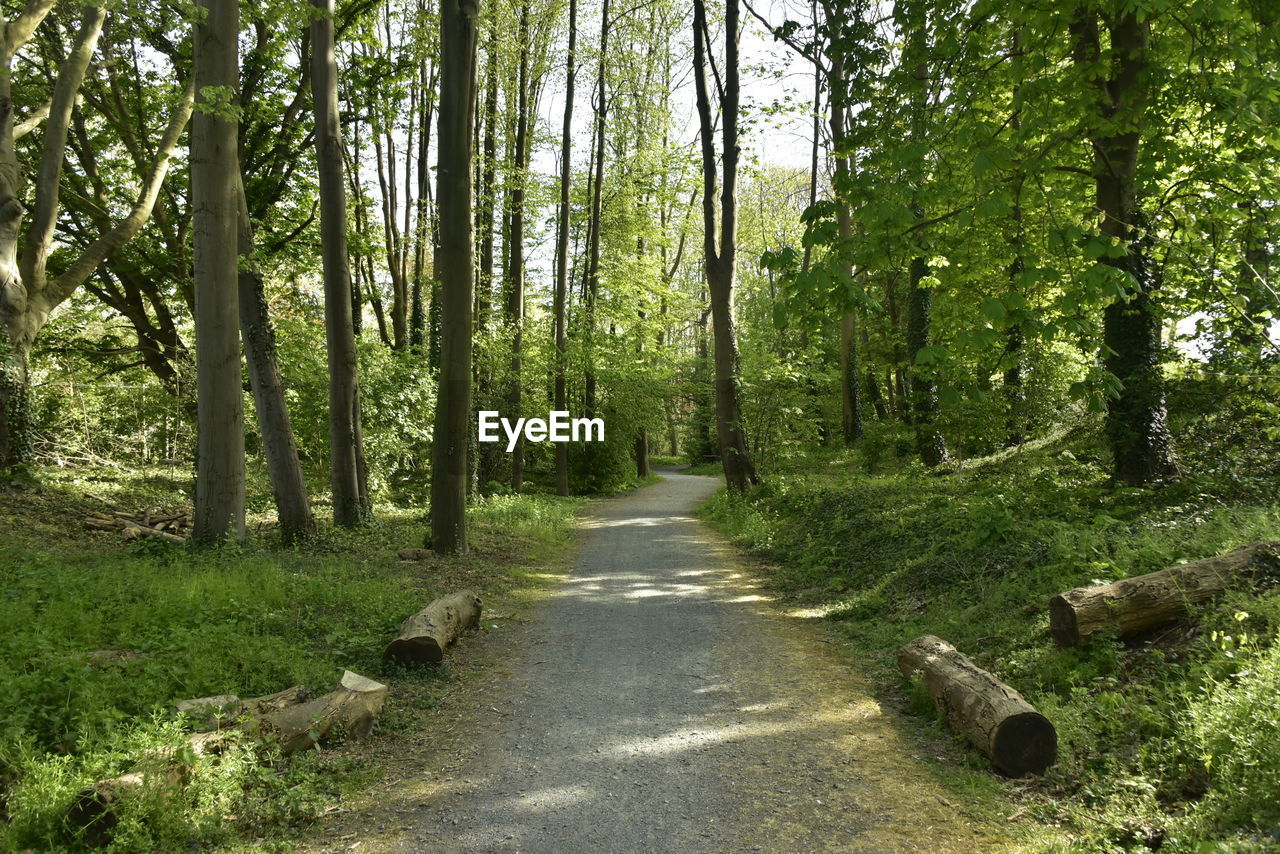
349, 708
424, 636
93, 810
1132, 606
210, 713
1018, 739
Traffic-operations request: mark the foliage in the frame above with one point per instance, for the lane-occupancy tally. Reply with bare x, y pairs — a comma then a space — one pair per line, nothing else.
245, 621
1168, 740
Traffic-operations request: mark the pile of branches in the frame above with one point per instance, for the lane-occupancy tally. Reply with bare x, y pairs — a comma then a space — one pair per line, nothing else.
171, 525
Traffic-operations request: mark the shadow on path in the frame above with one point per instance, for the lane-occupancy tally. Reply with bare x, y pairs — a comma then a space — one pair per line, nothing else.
657, 702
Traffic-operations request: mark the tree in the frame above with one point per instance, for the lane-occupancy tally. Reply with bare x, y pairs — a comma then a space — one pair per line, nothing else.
348, 477
215, 197
293, 507
28, 294
561, 297
1141, 447
449, 469
720, 260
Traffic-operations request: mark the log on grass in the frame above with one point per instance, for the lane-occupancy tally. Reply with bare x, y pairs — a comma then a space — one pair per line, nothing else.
1018, 739
350, 708
94, 808
424, 636
1132, 606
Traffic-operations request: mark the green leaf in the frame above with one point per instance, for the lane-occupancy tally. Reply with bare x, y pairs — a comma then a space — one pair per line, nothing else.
994, 309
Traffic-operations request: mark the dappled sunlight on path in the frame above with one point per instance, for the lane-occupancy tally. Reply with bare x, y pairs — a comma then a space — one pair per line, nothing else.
658, 702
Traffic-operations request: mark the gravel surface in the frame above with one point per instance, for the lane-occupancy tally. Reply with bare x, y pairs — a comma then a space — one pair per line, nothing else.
659, 702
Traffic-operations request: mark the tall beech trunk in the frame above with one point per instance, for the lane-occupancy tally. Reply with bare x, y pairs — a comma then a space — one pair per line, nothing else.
346, 464
453, 176
593, 227
739, 472
215, 200
515, 266
278, 443
561, 298
850, 389
1137, 429
924, 388
27, 293
1015, 339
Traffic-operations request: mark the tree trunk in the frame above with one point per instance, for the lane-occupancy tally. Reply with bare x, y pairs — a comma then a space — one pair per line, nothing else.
220, 484
424, 636
346, 465
924, 389
1141, 447
453, 401
1131, 606
1018, 739
850, 392
515, 268
560, 301
594, 225
720, 261
850, 388
278, 444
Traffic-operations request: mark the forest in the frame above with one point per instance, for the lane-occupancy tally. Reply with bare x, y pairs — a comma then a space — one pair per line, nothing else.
969, 306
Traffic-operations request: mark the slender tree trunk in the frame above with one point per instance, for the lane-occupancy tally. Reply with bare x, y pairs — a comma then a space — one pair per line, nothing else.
346, 465
220, 486
739, 471
850, 392
453, 402
924, 388
1137, 429
561, 298
593, 239
515, 269
278, 444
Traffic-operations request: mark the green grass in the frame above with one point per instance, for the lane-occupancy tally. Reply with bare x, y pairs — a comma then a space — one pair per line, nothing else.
1173, 743
246, 621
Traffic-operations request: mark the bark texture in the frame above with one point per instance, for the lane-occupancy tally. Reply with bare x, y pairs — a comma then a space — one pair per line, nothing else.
424, 636
215, 199
351, 505
721, 260
1018, 739
560, 307
449, 470
293, 506
1135, 605
1137, 429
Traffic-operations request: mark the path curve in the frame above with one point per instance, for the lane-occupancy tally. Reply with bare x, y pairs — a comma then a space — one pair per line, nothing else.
657, 702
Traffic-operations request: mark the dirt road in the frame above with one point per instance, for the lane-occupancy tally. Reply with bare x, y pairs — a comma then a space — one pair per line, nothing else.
657, 702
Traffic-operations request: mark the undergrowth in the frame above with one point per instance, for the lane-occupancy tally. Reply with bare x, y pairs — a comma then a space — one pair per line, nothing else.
1171, 743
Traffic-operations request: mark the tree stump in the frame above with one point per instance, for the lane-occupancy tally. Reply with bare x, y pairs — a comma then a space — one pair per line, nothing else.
424, 636
1131, 606
351, 708
1018, 739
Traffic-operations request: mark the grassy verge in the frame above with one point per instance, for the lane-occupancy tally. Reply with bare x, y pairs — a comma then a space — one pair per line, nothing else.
1172, 743
246, 621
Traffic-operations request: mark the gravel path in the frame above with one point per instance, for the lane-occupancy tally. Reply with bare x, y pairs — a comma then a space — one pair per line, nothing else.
657, 702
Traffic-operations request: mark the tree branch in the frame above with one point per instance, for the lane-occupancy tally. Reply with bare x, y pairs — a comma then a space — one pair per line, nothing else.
127, 228
35, 250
